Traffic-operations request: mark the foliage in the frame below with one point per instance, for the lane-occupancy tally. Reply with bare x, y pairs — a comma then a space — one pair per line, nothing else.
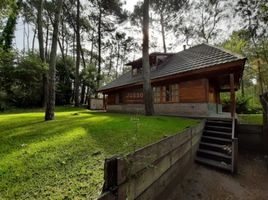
243, 104
64, 77
27, 81
63, 159
8, 32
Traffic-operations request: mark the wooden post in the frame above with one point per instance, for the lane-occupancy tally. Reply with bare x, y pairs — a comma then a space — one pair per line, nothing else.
232, 95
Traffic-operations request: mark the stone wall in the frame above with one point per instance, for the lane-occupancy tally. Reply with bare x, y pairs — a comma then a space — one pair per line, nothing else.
183, 109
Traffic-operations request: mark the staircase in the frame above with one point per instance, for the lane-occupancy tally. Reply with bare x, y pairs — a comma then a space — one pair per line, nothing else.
215, 147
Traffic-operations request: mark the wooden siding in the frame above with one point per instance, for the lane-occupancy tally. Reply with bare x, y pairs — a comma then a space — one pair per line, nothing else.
193, 91
111, 99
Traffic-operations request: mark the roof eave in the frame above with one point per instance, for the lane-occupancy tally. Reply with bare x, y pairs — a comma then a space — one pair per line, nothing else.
238, 62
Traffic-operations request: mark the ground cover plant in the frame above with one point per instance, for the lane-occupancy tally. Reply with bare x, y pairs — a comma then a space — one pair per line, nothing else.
63, 159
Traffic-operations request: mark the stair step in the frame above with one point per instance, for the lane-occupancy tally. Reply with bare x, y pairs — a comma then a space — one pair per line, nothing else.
221, 123
216, 139
218, 133
220, 165
227, 149
218, 128
220, 146
214, 153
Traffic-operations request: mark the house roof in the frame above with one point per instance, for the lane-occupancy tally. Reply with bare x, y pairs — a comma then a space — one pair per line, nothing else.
194, 58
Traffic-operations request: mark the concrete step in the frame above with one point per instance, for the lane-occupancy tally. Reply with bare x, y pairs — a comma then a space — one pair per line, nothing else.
213, 163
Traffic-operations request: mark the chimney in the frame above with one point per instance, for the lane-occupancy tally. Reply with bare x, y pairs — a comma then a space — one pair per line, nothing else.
184, 47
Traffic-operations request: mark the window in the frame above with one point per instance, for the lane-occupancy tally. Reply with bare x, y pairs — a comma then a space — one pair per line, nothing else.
168, 93
174, 93
118, 98
157, 94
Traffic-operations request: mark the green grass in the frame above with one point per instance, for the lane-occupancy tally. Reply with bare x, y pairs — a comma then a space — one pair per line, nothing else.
63, 159
251, 118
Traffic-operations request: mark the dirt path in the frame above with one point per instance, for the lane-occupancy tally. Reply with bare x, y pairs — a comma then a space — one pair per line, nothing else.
251, 182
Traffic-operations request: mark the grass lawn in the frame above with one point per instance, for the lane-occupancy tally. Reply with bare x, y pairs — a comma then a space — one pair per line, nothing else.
251, 118
63, 159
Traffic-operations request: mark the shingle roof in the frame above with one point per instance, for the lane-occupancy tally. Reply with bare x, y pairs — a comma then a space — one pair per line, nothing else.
197, 57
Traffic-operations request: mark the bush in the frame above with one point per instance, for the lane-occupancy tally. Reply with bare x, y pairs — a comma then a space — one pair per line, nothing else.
242, 105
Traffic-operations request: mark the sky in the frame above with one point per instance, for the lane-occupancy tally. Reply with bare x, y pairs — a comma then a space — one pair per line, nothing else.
19, 38
175, 43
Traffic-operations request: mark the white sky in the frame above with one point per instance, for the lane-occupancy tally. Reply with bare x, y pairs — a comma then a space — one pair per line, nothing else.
18, 41
154, 34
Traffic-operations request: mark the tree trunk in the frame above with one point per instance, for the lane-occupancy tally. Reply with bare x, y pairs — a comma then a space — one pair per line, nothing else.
163, 32
147, 90
99, 46
76, 83
87, 94
52, 64
42, 51
242, 88
260, 78
117, 60
33, 41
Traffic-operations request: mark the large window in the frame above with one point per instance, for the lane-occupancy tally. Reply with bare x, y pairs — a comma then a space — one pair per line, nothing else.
167, 93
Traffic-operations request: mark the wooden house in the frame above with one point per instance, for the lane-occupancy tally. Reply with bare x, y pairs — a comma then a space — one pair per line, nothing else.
187, 83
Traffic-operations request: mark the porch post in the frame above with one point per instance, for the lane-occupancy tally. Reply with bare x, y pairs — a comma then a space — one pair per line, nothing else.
232, 95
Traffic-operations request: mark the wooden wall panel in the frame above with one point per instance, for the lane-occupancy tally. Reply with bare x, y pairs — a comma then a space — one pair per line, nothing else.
195, 91
111, 99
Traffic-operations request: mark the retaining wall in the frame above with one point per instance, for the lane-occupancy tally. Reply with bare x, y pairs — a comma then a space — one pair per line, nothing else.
149, 172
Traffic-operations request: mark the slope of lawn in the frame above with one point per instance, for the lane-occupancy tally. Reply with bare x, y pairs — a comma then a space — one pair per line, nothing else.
251, 118
63, 159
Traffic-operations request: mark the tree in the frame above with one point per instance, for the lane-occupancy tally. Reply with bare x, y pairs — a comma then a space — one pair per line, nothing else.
39, 22
201, 21
78, 49
255, 20
52, 63
7, 35
147, 89
107, 11
167, 12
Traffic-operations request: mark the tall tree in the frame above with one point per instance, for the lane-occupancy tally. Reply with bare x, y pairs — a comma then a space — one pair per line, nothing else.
52, 63
254, 15
39, 23
109, 13
167, 11
78, 49
7, 35
147, 89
